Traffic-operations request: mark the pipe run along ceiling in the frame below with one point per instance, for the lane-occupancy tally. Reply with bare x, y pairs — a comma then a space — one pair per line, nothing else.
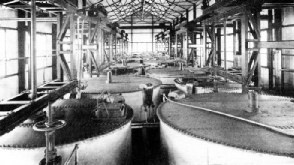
142, 11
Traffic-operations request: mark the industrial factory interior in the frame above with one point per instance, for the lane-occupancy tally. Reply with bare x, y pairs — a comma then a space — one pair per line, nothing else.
147, 82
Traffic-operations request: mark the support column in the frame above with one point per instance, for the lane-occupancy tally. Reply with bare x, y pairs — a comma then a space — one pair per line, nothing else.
176, 45
152, 33
225, 44
213, 45
54, 52
110, 46
99, 54
116, 44
21, 52
270, 59
33, 68
132, 48
204, 41
89, 60
219, 47
244, 37
185, 45
73, 59
258, 67
279, 75
234, 44
59, 47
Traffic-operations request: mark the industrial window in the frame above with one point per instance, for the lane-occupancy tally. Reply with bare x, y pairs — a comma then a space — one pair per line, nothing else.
8, 52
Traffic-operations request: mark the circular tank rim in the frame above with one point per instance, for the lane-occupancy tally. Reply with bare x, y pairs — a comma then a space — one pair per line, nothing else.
130, 91
124, 124
187, 133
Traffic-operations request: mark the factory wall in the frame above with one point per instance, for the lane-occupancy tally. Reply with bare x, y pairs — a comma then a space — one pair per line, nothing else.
142, 40
15, 52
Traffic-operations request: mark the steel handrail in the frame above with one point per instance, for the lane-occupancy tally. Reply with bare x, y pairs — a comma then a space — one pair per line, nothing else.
75, 150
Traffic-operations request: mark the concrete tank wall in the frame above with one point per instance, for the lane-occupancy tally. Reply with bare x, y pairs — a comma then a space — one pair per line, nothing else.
183, 149
113, 148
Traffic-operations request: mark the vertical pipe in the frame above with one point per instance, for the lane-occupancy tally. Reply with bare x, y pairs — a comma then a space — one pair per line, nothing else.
33, 69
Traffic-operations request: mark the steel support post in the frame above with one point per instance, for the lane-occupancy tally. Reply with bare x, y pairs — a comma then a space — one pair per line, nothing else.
89, 59
244, 37
279, 75
213, 45
270, 51
219, 47
110, 43
225, 44
73, 60
258, 67
59, 47
234, 44
21, 52
204, 41
33, 68
176, 46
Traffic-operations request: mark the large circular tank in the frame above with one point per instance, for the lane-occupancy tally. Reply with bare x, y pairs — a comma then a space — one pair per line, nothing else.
100, 142
221, 129
167, 75
129, 88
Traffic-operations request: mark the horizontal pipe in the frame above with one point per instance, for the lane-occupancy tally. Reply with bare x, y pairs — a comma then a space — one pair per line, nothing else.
43, 19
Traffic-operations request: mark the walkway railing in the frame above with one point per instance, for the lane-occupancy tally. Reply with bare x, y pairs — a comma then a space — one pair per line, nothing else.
74, 152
